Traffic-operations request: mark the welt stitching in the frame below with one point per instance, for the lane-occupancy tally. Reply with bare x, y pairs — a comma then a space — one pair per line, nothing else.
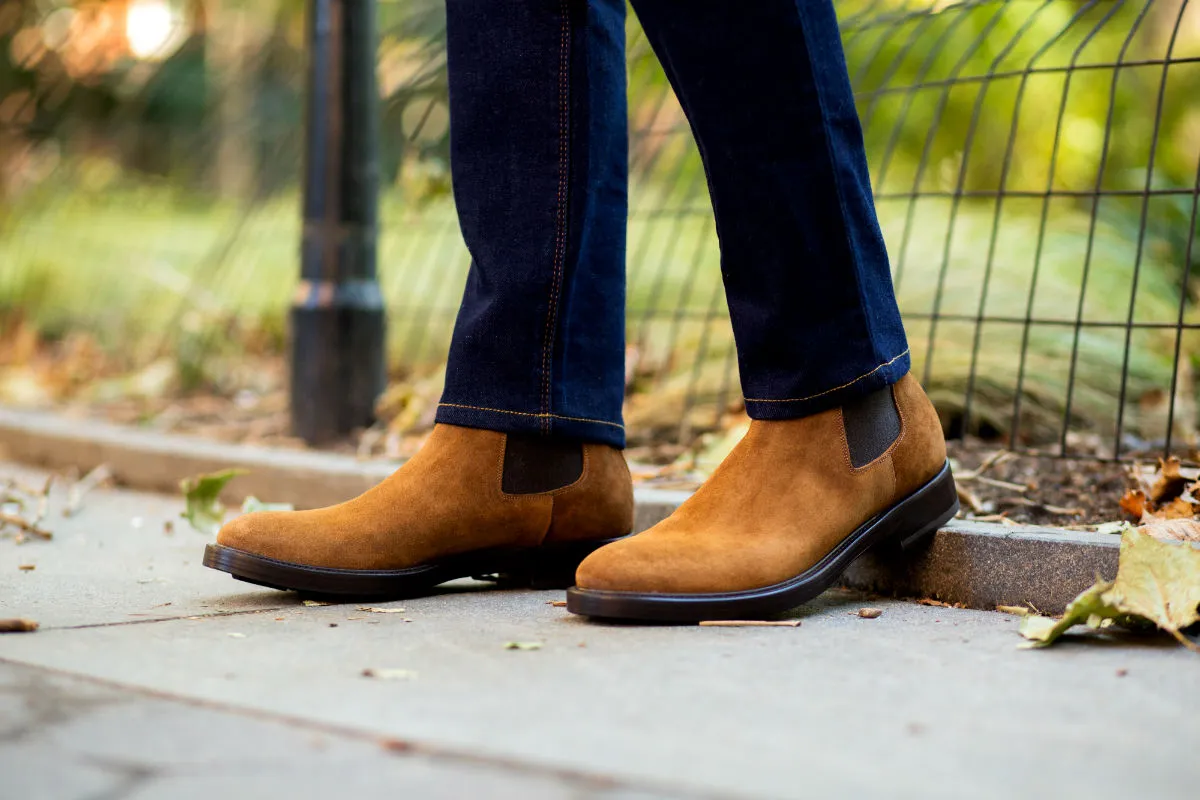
560, 222
834, 389
528, 414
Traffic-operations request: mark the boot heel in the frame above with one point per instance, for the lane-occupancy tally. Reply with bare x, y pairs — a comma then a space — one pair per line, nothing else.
925, 511
553, 566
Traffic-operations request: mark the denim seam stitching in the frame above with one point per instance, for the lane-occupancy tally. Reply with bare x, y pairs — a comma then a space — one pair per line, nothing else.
560, 221
528, 414
834, 389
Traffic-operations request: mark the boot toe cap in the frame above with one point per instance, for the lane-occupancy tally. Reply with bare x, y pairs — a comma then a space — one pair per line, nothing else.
260, 532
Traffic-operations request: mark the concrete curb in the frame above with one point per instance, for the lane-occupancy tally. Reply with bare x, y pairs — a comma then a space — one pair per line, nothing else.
979, 565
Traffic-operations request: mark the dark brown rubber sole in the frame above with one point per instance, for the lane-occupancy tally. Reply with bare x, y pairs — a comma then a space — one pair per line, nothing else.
547, 567
905, 525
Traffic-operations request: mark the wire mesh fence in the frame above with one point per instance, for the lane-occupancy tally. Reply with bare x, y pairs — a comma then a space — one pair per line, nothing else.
1036, 165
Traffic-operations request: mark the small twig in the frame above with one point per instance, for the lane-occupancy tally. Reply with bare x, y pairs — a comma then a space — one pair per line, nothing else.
750, 623
998, 457
1049, 509
1001, 518
25, 526
43, 506
97, 476
1012, 487
968, 499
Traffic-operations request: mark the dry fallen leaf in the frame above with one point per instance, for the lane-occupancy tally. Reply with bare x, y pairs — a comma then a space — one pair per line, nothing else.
929, 601
1169, 483
870, 613
378, 610
557, 603
1156, 583
1133, 503
522, 645
1177, 509
1175, 530
750, 623
17, 626
27, 567
311, 603
202, 506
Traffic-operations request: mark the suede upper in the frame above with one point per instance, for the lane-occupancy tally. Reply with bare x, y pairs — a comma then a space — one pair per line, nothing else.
781, 501
446, 500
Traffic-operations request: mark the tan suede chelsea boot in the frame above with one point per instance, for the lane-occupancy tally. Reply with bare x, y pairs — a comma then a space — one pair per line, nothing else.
471, 502
783, 516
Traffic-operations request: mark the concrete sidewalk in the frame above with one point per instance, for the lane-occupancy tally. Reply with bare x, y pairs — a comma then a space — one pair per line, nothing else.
155, 678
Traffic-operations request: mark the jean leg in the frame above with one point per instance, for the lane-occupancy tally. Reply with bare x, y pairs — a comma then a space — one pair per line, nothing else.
539, 151
765, 88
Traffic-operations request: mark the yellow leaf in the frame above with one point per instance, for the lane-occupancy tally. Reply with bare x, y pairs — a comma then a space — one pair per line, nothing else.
1158, 581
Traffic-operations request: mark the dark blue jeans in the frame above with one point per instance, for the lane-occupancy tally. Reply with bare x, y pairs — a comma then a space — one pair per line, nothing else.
539, 161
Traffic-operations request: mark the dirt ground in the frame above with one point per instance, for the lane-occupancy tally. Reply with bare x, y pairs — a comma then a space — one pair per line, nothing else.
1037, 490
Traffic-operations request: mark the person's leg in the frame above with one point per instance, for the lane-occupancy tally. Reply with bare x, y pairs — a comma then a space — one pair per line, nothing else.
523, 472
539, 159
845, 451
765, 88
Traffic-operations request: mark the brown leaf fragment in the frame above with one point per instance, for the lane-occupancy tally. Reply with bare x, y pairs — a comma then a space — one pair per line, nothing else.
557, 603
870, 613
1133, 503
929, 601
750, 623
1169, 483
1177, 509
1173, 530
27, 567
17, 626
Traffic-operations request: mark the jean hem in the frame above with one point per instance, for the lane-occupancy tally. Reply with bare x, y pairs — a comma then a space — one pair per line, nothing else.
505, 421
880, 377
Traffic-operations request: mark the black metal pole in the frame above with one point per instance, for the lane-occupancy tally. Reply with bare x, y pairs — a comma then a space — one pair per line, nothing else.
338, 319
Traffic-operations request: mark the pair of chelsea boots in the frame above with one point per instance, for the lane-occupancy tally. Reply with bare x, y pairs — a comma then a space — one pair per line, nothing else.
777, 523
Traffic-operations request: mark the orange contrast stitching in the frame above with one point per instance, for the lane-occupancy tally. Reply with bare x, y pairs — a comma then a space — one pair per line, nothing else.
527, 414
834, 389
560, 221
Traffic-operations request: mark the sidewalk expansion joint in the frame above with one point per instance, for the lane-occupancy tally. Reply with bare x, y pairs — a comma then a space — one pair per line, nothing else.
397, 747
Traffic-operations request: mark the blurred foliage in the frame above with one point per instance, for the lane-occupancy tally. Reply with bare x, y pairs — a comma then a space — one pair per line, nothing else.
149, 153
